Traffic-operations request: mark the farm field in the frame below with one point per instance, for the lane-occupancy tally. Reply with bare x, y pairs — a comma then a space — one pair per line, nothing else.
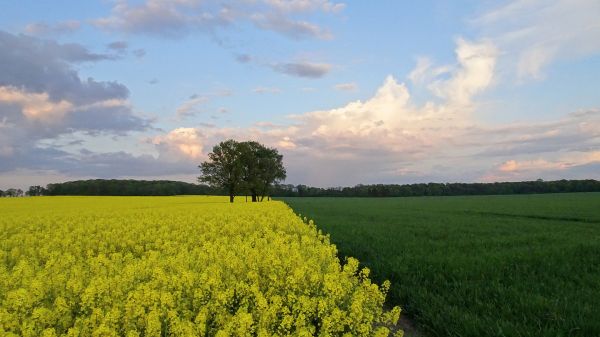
522, 265
177, 266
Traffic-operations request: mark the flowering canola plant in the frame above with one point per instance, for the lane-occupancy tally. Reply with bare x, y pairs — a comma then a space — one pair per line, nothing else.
177, 266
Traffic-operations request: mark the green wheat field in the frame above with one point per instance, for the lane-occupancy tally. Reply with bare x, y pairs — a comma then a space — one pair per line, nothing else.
525, 265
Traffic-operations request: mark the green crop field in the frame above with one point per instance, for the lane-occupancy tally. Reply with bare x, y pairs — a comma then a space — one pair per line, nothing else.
526, 265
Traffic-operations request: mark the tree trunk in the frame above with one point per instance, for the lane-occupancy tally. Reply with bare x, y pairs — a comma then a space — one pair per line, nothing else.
231, 196
253, 197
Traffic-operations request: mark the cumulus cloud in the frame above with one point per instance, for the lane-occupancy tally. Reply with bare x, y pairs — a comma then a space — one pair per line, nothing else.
303, 69
43, 97
180, 143
535, 33
389, 138
45, 66
175, 19
35, 106
474, 73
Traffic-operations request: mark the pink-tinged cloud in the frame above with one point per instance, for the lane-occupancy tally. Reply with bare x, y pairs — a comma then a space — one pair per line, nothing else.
563, 162
181, 143
35, 106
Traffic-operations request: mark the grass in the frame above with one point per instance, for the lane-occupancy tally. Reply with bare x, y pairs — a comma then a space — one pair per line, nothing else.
526, 265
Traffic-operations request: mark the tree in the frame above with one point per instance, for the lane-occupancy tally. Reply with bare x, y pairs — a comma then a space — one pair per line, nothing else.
250, 167
262, 167
1, 193
14, 192
271, 170
36, 191
243, 166
224, 168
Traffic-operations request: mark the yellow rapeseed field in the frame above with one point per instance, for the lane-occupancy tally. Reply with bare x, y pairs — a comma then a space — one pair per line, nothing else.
176, 266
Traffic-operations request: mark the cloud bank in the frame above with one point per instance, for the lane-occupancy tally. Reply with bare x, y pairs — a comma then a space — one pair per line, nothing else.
42, 97
388, 138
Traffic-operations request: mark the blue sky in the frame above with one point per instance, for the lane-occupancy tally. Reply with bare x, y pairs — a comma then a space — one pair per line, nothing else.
350, 92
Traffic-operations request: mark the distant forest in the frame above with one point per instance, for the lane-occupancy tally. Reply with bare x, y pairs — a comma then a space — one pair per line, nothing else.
129, 187
440, 189
165, 187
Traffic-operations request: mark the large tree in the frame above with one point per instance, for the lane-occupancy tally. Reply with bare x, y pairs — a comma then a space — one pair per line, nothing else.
243, 166
224, 168
263, 167
271, 170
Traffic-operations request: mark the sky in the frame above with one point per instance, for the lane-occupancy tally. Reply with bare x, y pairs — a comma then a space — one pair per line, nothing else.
352, 92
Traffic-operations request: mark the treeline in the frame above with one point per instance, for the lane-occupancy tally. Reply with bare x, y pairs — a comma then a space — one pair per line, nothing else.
129, 187
440, 189
166, 187
12, 192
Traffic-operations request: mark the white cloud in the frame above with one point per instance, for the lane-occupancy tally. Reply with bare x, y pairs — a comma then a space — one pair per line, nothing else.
535, 33
474, 73
388, 138
186, 143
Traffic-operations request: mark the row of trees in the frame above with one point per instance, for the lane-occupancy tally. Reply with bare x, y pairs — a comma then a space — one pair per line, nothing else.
440, 189
243, 167
17, 192
129, 187
12, 192
165, 187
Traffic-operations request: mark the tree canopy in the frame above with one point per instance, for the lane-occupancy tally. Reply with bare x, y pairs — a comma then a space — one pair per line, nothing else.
440, 189
238, 167
127, 187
